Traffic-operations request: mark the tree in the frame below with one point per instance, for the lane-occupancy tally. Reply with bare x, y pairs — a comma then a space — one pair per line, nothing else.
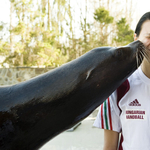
4, 45
102, 16
124, 35
47, 30
35, 41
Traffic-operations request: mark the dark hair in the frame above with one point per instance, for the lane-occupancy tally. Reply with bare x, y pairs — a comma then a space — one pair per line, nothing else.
144, 18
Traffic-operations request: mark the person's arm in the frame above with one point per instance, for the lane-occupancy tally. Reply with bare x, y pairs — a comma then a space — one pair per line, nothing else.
111, 139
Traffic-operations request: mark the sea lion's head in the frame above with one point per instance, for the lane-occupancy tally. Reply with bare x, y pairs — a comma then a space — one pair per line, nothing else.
133, 52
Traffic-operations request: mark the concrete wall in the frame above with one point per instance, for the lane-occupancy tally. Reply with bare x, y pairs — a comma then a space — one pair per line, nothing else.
10, 76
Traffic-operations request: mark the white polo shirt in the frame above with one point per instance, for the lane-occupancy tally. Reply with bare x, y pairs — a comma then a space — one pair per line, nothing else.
130, 114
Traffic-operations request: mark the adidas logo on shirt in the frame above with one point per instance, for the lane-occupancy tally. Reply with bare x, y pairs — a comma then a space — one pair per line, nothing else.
135, 103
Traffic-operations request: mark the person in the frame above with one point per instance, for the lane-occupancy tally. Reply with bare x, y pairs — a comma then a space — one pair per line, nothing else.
127, 110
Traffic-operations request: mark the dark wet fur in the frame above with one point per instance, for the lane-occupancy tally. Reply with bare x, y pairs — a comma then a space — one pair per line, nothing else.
35, 111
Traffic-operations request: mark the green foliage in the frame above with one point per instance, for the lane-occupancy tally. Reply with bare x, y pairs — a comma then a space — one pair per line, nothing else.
19, 29
102, 16
4, 48
45, 33
36, 45
60, 2
49, 56
124, 33
1, 27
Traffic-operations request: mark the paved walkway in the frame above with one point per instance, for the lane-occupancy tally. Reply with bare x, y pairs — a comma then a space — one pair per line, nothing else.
84, 137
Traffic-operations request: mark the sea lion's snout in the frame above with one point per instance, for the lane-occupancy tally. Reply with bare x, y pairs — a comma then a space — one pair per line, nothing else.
137, 46
139, 51
136, 43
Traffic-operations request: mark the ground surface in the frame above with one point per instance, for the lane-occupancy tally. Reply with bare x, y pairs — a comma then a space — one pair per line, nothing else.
84, 137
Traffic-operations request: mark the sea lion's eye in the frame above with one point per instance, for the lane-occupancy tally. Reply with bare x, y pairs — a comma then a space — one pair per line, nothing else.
119, 52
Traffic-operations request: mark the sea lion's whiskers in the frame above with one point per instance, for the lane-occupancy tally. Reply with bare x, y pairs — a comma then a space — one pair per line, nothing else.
137, 60
140, 56
143, 51
142, 46
144, 54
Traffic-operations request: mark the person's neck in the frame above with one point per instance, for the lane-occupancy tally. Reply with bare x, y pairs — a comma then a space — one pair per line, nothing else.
145, 66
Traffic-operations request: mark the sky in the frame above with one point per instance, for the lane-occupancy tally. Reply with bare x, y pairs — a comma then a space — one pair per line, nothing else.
142, 7
4, 10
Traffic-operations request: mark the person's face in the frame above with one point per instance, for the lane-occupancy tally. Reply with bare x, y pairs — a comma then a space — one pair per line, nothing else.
144, 36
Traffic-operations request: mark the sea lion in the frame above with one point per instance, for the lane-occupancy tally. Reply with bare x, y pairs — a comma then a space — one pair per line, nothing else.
35, 111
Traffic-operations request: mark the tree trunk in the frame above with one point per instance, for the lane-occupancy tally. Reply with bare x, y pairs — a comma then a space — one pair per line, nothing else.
108, 2
43, 4
11, 35
49, 15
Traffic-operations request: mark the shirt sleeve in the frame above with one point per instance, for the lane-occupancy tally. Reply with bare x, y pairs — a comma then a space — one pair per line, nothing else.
108, 116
